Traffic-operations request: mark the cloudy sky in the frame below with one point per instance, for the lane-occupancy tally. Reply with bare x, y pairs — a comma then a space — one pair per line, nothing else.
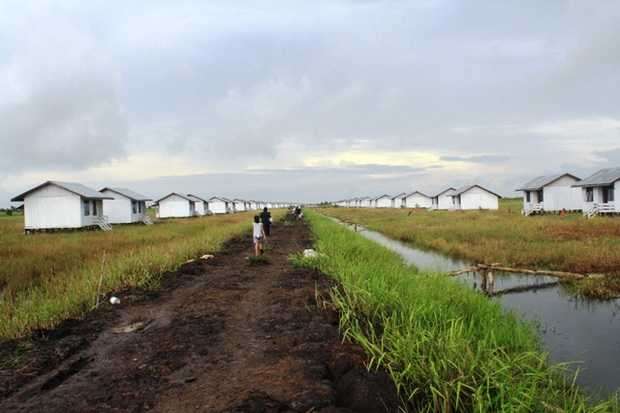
306, 100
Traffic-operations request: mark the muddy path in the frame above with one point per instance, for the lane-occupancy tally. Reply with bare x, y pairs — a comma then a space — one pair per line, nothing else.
221, 336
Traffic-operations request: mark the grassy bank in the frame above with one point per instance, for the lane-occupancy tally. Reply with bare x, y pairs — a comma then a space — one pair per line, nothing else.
47, 278
446, 347
570, 243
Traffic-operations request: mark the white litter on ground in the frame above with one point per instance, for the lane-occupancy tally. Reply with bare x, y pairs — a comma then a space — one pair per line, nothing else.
207, 257
310, 253
115, 300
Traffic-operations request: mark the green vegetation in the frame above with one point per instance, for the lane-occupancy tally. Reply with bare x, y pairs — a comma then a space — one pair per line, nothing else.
551, 242
447, 348
46, 278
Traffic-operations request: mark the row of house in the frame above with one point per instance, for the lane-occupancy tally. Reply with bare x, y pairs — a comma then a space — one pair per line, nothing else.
468, 197
67, 205
593, 195
177, 205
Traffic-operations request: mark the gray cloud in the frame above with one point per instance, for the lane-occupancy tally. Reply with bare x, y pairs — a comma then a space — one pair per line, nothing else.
246, 85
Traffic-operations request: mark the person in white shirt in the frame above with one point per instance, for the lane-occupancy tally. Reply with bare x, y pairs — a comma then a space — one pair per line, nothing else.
258, 235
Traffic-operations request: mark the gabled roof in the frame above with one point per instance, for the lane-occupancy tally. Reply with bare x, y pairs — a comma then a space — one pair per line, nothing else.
444, 191
177, 194
402, 194
466, 188
540, 182
602, 177
219, 198
75, 188
364, 198
417, 192
196, 198
382, 196
134, 196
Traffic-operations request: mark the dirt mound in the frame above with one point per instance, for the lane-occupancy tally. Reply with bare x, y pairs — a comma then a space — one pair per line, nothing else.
221, 336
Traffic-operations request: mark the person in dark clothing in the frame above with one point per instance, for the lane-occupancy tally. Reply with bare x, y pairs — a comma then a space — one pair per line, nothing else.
265, 218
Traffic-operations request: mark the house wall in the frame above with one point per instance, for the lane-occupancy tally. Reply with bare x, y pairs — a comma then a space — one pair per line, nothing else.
616, 195
218, 207
419, 201
52, 207
118, 210
241, 206
560, 195
477, 198
92, 218
200, 208
445, 201
175, 207
384, 203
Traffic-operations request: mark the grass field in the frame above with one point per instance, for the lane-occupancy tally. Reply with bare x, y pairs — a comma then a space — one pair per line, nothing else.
46, 278
564, 243
447, 348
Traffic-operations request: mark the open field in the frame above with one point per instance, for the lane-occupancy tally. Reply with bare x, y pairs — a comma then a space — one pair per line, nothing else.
446, 347
220, 335
46, 278
563, 243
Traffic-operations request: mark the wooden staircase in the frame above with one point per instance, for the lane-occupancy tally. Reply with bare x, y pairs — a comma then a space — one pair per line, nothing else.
146, 220
102, 222
534, 209
599, 209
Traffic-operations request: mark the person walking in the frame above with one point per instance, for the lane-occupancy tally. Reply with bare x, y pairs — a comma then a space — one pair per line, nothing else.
258, 236
265, 218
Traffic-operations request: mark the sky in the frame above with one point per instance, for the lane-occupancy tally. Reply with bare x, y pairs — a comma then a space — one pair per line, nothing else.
306, 101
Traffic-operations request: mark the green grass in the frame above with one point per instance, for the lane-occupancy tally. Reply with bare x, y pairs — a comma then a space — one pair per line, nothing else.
563, 243
46, 278
447, 348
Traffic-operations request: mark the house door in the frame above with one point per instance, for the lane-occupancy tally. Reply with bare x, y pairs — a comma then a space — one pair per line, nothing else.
608, 194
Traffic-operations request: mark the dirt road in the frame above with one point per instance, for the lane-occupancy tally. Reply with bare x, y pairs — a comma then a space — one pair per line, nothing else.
221, 336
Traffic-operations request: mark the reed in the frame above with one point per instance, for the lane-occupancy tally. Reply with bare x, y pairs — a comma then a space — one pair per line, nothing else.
446, 347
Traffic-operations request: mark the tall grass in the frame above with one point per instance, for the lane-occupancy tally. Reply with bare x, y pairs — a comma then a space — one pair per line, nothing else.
564, 243
447, 348
47, 278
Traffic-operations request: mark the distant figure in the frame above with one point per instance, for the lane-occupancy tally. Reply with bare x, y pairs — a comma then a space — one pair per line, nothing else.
298, 213
265, 218
259, 236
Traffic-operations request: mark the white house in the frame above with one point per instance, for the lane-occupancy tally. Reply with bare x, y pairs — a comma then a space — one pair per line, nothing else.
241, 205
62, 205
417, 199
599, 192
126, 207
220, 205
383, 201
175, 205
397, 200
443, 200
365, 202
552, 193
202, 205
475, 197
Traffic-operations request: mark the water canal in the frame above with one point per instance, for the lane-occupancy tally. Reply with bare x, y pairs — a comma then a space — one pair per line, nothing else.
576, 330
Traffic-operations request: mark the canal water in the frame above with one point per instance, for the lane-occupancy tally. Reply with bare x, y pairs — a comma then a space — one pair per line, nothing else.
583, 332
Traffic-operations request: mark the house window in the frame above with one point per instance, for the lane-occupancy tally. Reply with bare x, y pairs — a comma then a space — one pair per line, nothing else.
612, 194
528, 196
95, 208
589, 194
86, 207
134, 207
